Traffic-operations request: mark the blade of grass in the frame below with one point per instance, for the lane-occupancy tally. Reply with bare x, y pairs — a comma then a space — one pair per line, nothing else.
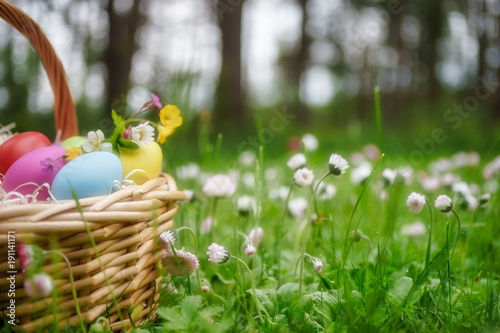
378, 115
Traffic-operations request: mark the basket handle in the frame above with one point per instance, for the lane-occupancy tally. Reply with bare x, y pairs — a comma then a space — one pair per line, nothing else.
64, 109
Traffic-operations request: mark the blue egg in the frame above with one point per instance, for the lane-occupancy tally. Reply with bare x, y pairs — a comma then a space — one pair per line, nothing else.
89, 175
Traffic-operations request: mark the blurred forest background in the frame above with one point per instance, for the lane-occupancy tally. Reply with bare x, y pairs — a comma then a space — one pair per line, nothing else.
318, 59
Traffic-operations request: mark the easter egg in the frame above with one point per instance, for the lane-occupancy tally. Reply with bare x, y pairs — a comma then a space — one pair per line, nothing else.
38, 166
74, 141
147, 159
89, 175
19, 145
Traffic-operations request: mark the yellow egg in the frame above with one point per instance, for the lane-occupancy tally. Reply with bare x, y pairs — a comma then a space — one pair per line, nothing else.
146, 158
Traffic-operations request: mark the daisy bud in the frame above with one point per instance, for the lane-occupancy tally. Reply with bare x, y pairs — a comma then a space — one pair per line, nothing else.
337, 165
205, 289
303, 177
297, 161
25, 253
255, 235
317, 264
245, 204
444, 203
388, 176
168, 238
415, 202
185, 263
356, 235
39, 286
218, 254
250, 250
484, 199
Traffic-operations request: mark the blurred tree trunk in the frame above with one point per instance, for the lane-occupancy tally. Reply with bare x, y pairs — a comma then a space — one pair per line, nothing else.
230, 97
294, 65
299, 63
432, 19
396, 100
119, 53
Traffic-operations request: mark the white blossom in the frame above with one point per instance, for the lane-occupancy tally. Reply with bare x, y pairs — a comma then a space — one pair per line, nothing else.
247, 158
250, 250
303, 177
415, 202
40, 285
188, 171
337, 165
360, 174
142, 134
325, 191
310, 142
246, 204
388, 176
255, 235
297, 207
416, 229
219, 186
167, 239
444, 203
94, 143
317, 264
218, 254
297, 161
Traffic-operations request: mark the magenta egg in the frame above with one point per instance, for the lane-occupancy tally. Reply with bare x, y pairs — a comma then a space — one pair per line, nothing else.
39, 167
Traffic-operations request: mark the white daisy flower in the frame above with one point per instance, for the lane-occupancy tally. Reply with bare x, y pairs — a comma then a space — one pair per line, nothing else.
142, 134
337, 165
303, 177
297, 161
218, 254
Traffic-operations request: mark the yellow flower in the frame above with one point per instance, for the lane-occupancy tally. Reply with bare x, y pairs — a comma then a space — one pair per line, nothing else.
72, 153
164, 132
170, 116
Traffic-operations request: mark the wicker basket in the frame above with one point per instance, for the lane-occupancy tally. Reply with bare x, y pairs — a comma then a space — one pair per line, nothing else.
122, 277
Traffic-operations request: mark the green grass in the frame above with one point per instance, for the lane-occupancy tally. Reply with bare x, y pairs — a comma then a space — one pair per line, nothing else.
381, 281
384, 284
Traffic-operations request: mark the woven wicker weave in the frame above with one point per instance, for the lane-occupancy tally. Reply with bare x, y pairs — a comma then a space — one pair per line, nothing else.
125, 226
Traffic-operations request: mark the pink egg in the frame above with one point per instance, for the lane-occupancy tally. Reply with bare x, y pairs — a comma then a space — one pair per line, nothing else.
39, 166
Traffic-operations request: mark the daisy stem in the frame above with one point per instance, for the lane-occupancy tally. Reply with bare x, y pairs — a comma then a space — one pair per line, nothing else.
253, 287
73, 291
280, 230
196, 254
458, 232
448, 263
431, 217
469, 231
303, 250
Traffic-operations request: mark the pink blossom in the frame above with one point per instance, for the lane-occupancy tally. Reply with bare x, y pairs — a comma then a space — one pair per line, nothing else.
188, 263
25, 256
